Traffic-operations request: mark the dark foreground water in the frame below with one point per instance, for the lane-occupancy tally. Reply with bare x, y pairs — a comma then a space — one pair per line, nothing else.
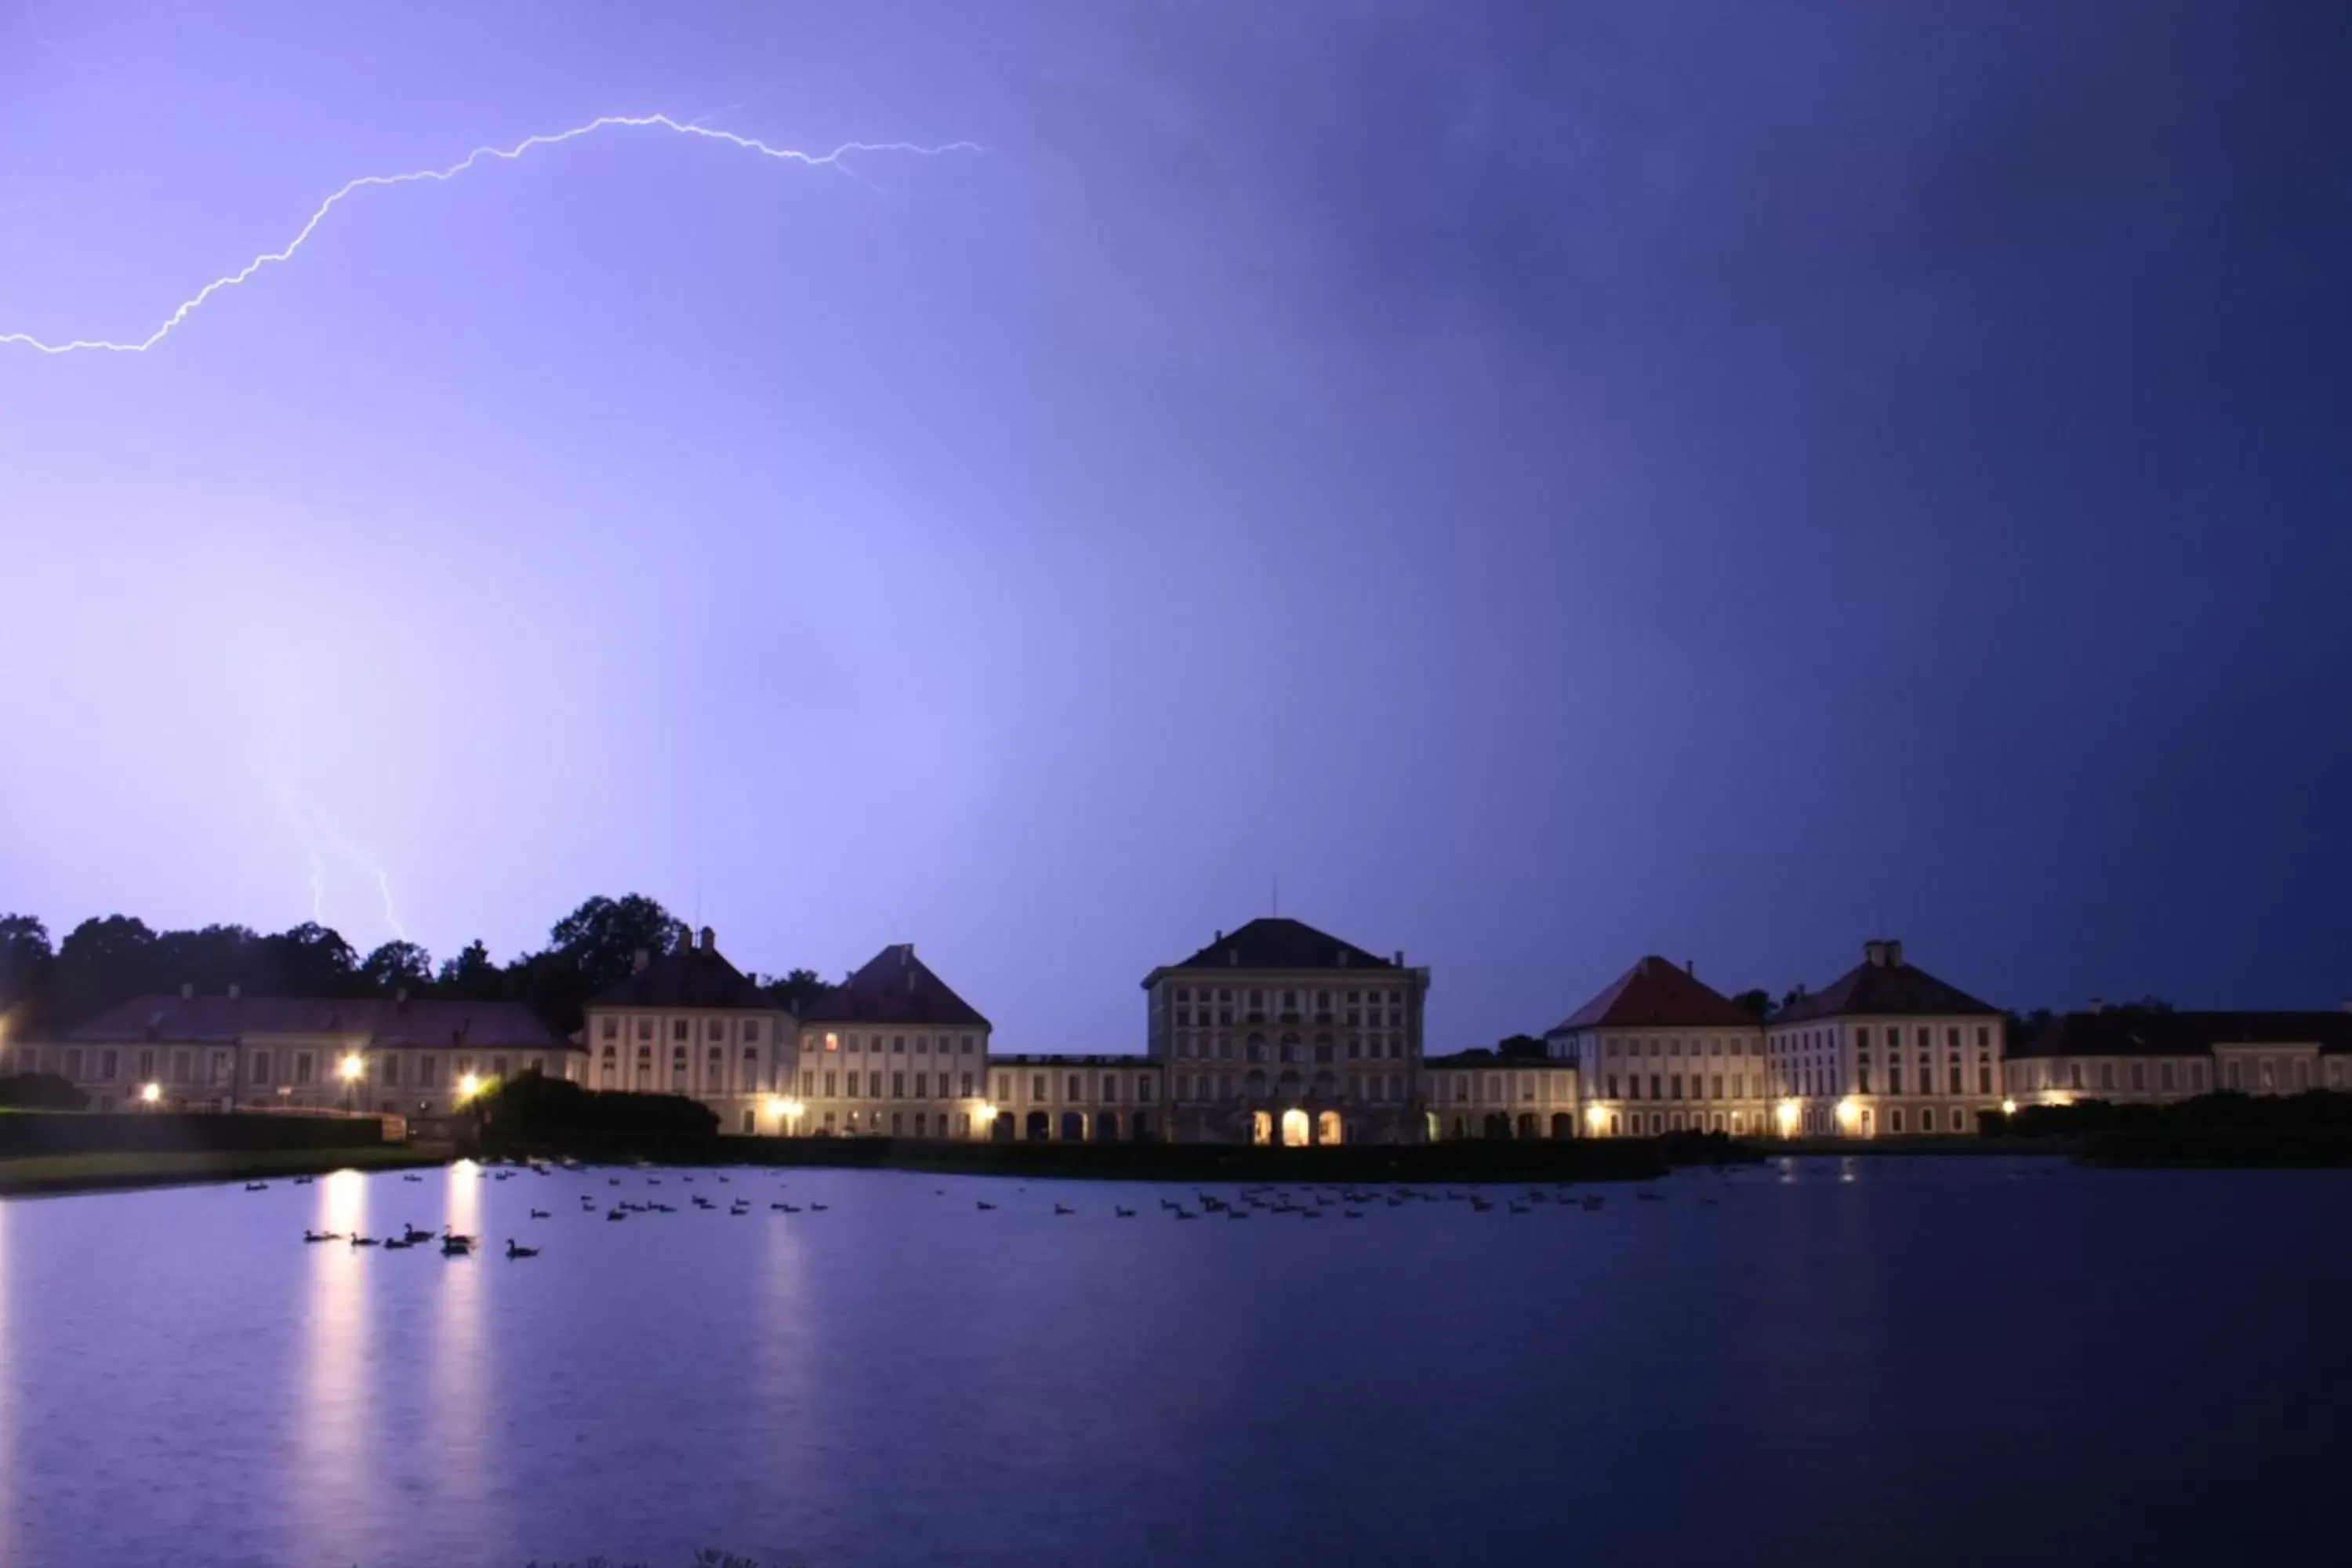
1881, 1361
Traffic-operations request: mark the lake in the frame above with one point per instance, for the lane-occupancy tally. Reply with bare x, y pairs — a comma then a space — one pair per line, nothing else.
1814, 1361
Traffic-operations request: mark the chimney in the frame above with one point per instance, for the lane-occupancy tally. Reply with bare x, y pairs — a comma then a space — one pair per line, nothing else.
1690, 967
1400, 958
1220, 937
709, 940
235, 990
637, 964
1875, 954
188, 991
1893, 954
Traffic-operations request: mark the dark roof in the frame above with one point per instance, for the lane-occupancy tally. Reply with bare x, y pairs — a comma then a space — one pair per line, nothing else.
689, 977
1272, 941
895, 987
1882, 984
2148, 1032
382, 1021
1657, 991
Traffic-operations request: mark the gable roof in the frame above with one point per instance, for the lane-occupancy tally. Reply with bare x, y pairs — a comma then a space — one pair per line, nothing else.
1273, 942
688, 977
382, 1021
1883, 985
895, 987
2149, 1032
1657, 991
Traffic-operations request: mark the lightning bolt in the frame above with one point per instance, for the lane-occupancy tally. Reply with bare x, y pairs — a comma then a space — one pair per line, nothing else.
188, 307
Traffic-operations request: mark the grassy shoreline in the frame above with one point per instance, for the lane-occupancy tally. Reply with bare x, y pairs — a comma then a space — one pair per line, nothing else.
59, 1176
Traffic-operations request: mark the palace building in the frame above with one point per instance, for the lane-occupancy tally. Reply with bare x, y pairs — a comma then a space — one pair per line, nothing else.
688, 1022
892, 1051
1273, 1033
2143, 1054
1279, 1033
1662, 1051
398, 1056
1884, 1049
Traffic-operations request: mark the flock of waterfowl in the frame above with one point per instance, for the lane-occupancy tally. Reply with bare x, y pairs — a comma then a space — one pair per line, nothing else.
1306, 1203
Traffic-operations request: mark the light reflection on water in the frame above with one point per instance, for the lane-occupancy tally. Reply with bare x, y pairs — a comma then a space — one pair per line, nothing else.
1812, 1361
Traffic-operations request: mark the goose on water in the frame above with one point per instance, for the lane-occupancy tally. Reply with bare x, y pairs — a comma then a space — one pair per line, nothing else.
514, 1249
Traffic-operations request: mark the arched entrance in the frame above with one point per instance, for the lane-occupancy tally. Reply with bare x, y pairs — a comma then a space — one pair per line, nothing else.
1074, 1127
1563, 1125
1040, 1127
1261, 1127
1328, 1129
1294, 1130
1527, 1124
1107, 1127
1000, 1128
1139, 1127
1498, 1125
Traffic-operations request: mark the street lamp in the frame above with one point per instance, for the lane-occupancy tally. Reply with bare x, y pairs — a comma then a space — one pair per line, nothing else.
2009, 1108
468, 1087
151, 1094
348, 1069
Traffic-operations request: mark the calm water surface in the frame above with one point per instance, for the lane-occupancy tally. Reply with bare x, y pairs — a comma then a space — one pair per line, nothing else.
1879, 1360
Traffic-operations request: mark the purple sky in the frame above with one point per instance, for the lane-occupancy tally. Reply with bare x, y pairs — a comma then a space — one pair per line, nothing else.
1552, 482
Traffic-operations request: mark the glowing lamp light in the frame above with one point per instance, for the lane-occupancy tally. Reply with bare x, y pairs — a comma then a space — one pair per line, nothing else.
469, 1086
150, 1093
351, 1067
2009, 1108
1786, 1113
1848, 1113
1595, 1117
985, 1114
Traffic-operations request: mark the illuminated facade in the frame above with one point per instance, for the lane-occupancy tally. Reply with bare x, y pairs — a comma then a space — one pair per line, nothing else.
1277, 1030
892, 1051
688, 1022
1662, 1051
1885, 1050
399, 1055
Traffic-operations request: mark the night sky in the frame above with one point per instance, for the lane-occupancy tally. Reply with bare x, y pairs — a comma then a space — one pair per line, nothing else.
1549, 482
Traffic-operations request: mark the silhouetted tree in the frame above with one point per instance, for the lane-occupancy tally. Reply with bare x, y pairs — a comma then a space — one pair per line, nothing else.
396, 966
1520, 1049
99, 963
311, 960
1759, 1002
472, 975
796, 992
24, 960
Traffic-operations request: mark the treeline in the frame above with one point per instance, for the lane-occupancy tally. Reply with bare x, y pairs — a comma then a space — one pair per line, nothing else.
107, 961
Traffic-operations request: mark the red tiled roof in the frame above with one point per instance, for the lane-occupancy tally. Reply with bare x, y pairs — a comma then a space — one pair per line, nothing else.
1882, 984
1657, 991
1273, 941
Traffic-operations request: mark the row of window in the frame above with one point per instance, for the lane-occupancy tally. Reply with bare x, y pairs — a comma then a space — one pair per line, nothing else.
1672, 1046
1353, 1016
1923, 1036
896, 1045
1955, 1076
868, 1085
1376, 1088
1290, 1048
1670, 1086
1254, 996
747, 1029
1041, 1085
